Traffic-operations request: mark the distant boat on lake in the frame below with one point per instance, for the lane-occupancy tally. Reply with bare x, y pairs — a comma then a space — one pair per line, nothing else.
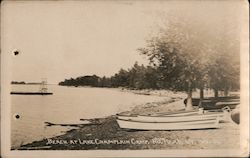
42, 91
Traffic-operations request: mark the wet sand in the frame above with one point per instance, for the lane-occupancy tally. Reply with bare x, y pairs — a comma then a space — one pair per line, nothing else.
106, 134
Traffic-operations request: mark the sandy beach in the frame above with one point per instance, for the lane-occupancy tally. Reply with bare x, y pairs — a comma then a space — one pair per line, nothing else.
105, 133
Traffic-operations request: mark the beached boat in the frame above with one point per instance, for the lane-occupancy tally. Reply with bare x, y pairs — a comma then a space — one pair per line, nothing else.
235, 115
69, 123
178, 116
139, 125
167, 118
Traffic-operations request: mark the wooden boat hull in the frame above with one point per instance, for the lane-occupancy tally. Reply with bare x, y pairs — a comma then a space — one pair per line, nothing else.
31, 93
211, 101
235, 116
198, 117
176, 113
137, 125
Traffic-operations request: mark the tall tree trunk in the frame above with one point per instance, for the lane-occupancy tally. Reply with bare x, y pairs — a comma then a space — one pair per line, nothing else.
226, 92
201, 96
189, 105
216, 93
201, 93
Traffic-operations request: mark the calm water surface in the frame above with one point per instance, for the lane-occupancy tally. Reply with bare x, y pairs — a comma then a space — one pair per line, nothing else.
67, 104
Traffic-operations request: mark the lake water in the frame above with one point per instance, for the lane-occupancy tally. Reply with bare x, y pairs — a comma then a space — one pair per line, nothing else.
67, 104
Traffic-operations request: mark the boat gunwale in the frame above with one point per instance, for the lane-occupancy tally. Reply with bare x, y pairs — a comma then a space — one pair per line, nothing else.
172, 122
203, 114
177, 112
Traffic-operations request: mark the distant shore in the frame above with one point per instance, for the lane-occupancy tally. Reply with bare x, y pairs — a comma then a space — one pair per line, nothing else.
106, 134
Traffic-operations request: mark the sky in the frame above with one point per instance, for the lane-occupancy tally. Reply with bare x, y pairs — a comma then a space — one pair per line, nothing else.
63, 39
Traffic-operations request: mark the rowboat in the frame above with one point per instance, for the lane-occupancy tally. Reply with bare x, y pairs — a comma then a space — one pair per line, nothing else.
174, 121
222, 113
178, 116
139, 125
167, 118
212, 101
235, 115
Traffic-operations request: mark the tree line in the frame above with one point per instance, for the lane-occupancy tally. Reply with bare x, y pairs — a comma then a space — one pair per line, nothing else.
136, 77
183, 56
164, 76
18, 82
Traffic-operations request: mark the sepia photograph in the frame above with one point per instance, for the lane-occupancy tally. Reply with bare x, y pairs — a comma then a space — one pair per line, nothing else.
124, 78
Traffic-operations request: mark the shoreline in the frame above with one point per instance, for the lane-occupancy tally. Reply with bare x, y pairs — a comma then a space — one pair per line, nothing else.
106, 134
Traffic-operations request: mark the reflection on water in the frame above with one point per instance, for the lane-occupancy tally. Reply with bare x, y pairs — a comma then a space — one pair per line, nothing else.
67, 104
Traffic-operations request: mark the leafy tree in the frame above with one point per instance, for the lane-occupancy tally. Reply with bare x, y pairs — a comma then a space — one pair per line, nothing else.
191, 55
